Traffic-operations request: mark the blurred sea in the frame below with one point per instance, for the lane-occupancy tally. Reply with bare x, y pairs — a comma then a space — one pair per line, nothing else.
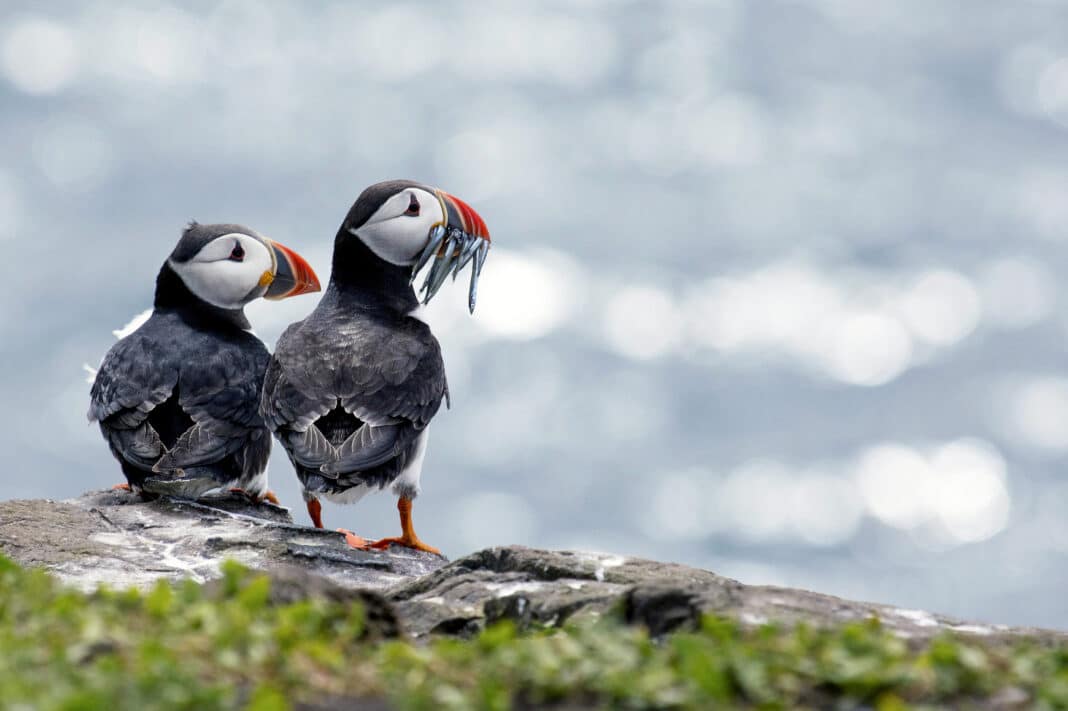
773, 289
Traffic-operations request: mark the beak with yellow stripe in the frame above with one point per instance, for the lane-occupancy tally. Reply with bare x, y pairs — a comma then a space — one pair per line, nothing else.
290, 275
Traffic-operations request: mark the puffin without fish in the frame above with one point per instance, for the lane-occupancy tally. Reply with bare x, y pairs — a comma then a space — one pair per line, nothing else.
178, 399
351, 389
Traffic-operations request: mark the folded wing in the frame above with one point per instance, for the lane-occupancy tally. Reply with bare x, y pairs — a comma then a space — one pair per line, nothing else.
390, 380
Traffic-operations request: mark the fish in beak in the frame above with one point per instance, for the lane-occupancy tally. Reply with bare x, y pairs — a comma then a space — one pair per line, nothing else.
463, 238
292, 275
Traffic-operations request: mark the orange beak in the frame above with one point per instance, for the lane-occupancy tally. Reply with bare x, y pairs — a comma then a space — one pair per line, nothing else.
292, 274
463, 216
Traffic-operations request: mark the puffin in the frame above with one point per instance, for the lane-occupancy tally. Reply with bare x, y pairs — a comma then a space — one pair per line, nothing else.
177, 400
351, 389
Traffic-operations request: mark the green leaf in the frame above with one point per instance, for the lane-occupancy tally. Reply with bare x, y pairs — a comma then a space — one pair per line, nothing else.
267, 698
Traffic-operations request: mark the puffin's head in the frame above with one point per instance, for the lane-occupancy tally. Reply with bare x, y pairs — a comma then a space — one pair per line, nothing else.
230, 265
407, 224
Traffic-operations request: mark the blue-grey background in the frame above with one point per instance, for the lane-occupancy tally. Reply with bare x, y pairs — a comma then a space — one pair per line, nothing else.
775, 287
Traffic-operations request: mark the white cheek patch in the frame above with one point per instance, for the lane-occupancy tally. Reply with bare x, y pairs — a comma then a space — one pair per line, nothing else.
399, 238
222, 282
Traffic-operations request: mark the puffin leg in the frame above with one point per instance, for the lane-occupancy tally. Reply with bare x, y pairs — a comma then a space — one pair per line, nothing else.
315, 510
408, 538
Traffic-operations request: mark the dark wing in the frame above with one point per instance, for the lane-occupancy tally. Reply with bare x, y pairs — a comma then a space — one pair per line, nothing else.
290, 411
290, 401
389, 375
136, 376
221, 393
400, 382
396, 374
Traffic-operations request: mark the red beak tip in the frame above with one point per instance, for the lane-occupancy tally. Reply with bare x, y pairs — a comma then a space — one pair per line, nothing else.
473, 222
301, 272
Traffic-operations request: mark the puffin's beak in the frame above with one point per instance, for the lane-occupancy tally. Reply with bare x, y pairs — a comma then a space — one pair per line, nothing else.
292, 274
463, 238
463, 217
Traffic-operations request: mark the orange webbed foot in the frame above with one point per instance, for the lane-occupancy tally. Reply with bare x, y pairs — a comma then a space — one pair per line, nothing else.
354, 541
414, 543
121, 487
408, 539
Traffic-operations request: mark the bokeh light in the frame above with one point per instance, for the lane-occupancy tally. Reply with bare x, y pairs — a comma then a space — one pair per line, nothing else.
959, 485
39, 55
642, 322
869, 349
1038, 412
527, 295
74, 156
941, 307
1053, 91
1017, 292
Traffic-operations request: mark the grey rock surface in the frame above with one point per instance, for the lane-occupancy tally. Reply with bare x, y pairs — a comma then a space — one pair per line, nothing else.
550, 587
115, 538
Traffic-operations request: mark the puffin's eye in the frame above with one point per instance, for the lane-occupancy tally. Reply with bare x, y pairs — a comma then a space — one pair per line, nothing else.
238, 253
413, 206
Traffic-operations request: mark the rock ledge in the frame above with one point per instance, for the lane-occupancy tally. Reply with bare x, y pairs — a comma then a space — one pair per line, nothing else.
114, 538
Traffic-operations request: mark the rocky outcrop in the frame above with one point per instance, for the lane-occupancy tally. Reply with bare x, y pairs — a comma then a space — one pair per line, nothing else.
114, 538
536, 587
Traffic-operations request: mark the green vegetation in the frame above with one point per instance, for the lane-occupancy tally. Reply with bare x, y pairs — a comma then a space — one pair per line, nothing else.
189, 647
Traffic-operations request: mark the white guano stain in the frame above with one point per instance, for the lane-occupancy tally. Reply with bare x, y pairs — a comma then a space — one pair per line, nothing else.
506, 589
920, 618
972, 629
751, 618
602, 562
